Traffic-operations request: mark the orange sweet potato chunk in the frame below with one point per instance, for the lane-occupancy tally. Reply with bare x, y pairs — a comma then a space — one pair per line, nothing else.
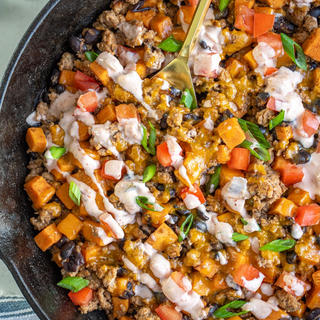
108, 113
63, 195
47, 237
36, 140
231, 132
70, 226
39, 191
144, 16
311, 46
162, 25
162, 238
100, 72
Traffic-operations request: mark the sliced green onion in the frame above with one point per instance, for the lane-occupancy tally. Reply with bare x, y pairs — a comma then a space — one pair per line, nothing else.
213, 183
74, 284
239, 236
74, 193
185, 227
244, 221
171, 44
149, 172
91, 56
149, 145
294, 51
186, 99
143, 201
279, 245
224, 313
258, 151
223, 4
55, 152
276, 120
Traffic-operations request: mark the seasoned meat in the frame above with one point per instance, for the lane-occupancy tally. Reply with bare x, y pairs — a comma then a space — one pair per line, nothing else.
287, 301
146, 314
110, 19
66, 62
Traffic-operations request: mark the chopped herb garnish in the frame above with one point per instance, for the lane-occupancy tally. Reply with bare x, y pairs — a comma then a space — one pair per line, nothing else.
55, 152
213, 183
244, 221
149, 146
256, 149
239, 236
149, 172
224, 313
187, 99
294, 51
185, 227
276, 120
171, 44
74, 193
74, 284
279, 245
143, 201
223, 4
91, 56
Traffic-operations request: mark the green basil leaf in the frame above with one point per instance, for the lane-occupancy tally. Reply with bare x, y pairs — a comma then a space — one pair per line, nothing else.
185, 227
279, 245
187, 99
224, 313
91, 56
276, 120
244, 221
258, 151
74, 193
294, 51
213, 183
149, 145
74, 284
149, 172
223, 4
143, 201
239, 236
171, 44
55, 152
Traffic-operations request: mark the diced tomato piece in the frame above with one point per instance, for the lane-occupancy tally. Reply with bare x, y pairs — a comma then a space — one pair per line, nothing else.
83, 82
193, 2
127, 111
113, 170
271, 104
273, 40
263, 22
111, 226
290, 173
291, 284
82, 297
194, 191
168, 313
88, 101
269, 72
248, 277
244, 19
177, 277
308, 215
240, 159
310, 123
163, 154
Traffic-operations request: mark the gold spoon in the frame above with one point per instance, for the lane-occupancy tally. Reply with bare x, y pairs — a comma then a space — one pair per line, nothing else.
177, 72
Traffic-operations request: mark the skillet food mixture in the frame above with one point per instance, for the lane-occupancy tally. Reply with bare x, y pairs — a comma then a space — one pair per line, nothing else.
154, 208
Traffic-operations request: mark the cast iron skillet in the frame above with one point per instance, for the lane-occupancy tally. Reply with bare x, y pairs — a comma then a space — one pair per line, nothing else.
27, 74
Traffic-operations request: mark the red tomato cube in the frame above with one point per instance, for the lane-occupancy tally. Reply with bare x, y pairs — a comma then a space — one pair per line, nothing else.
168, 313
308, 215
240, 159
82, 297
248, 277
310, 123
83, 82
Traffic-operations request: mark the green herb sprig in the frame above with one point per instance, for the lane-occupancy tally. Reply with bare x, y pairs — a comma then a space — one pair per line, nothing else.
149, 172
279, 245
149, 145
91, 56
171, 44
143, 201
185, 227
224, 313
239, 237
56, 152
74, 284
223, 4
213, 183
74, 193
276, 120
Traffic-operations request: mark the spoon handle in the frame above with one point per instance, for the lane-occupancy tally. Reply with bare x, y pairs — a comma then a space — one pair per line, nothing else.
194, 27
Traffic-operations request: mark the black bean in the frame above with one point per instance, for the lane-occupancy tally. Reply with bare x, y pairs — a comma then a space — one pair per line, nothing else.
302, 157
217, 246
121, 243
286, 318
225, 115
137, 7
186, 317
318, 241
66, 250
313, 315
45, 97
183, 211
175, 92
120, 272
200, 226
63, 240
173, 220
191, 116
231, 27
203, 44
313, 65
316, 105
127, 294
163, 122
291, 257
222, 63
172, 193
109, 193
315, 141
160, 186
70, 265
311, 107
295, 318
91, 36
54, 79
212, 308
314, 12
59, 89
77, 44
222, 14
160, 297
33, 156
283, 25
293, 67
201, 215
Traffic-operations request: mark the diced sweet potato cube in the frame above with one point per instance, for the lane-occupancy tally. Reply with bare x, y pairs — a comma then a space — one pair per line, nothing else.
236, 68
311, 46
316, 80
57, 259
300, 312
249, 59
236, 259
63, 195
227, 174
65, 164
67, 78
162, 238
266, 10
47, 237
200, 284
120, 306
284, 133
58, 175
247, 3
57, 134
208, 267
313, 298
224, 154
144, 16
54, 208
83, 131
81, 176
88, 231
299, 197
307, 250
158, 217
178, 33
276, 315
276, 4
108, 113
70, 226
85, 145
231, 132
284, 207
90, 252
219, 283
185, 13
36, 140
100, 72
126, 111
39, 191
162, 25
316, 229
141, 68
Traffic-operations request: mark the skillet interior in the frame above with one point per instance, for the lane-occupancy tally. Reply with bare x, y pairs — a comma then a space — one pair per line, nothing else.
27, 74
